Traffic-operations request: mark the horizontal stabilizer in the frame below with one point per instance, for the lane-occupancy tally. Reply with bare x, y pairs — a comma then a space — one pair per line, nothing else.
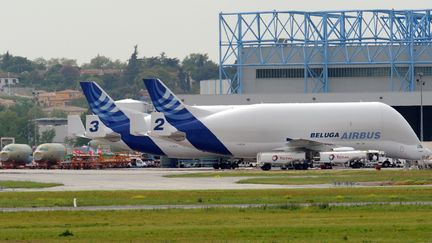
176, 136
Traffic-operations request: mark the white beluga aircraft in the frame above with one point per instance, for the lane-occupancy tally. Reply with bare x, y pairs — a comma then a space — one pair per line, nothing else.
244, 131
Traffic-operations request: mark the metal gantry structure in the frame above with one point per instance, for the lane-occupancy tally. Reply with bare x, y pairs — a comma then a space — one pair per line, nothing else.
399, 39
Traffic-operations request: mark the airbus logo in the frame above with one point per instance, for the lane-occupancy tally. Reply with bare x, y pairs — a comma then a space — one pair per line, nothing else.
347, 135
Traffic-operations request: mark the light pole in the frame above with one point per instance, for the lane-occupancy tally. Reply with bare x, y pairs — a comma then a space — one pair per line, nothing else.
421, 83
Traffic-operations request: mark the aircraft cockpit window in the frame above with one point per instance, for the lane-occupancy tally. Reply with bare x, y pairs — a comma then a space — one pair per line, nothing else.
43, 149
8, 149
419, 146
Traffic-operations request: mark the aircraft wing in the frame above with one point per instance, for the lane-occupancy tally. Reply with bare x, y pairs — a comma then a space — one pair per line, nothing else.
300, 144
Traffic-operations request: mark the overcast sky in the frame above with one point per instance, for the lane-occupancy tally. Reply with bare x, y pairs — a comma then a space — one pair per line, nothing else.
81, 29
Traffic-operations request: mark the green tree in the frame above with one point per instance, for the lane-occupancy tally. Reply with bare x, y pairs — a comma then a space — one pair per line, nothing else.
47, 136
58, 114
61, 61
200, 67
16, 64
132, 69
103, 62
17, 120
71, 75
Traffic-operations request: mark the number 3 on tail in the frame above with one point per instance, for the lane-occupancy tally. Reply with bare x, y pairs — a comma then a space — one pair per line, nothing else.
159, 124
95, 126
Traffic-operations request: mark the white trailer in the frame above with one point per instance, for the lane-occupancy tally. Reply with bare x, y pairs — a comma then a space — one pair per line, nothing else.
355, 158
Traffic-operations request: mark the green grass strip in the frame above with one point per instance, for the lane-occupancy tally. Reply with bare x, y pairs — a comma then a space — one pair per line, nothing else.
27, 184
376, 223
256, 196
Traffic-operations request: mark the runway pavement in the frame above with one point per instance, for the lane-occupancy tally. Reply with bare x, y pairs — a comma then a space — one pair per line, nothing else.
201, 206
131, 179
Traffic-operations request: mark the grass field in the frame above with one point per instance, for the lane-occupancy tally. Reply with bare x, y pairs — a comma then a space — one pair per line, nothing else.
280, 224
388, 177
272, 196
26, 184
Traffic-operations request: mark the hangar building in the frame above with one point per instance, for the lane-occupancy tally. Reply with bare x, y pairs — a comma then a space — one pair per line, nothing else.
328, 56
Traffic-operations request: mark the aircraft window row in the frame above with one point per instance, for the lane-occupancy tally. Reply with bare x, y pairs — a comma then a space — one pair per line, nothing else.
338, 72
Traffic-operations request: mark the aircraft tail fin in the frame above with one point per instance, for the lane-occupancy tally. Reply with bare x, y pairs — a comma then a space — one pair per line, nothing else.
102, 105
162, 97
186, 119
166, 102
75, 126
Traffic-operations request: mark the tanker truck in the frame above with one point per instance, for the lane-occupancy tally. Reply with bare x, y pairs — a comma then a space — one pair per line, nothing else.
284, 160
353, 159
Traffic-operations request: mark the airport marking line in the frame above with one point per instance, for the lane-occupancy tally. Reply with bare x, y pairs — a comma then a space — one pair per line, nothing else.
195, 206
386, 177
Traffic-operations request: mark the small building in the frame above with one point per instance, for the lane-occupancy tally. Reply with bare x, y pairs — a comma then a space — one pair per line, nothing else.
7, 80
57, 99
215, 87
70, 110
69, 94
58, 124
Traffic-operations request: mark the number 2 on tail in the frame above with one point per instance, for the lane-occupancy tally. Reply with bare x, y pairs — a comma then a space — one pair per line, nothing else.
159, 124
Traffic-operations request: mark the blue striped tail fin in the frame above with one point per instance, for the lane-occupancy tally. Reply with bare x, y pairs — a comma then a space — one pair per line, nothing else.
102, 105
180, 116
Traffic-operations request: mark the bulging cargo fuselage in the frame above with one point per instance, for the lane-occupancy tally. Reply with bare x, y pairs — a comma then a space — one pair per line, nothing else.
49, 152
244, 130
18, 153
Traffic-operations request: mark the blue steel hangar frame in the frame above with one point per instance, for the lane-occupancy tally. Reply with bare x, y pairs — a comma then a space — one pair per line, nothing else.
361, 37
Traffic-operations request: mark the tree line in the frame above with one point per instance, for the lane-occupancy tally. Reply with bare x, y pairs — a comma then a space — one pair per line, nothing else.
18, 121
124, 79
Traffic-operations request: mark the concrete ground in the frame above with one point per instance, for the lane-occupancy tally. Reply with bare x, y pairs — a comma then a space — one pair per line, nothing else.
198, 206
131, 179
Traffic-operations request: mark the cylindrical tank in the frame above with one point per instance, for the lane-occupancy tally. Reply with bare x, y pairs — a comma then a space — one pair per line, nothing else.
279, 157
49, 152
342, 157
18, 153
